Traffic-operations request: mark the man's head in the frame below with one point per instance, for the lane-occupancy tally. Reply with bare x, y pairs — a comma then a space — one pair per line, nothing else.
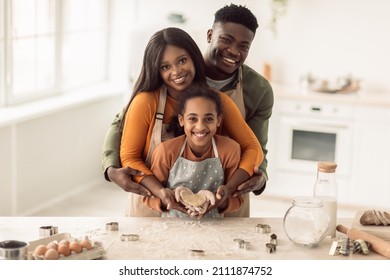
230, 38
237, 14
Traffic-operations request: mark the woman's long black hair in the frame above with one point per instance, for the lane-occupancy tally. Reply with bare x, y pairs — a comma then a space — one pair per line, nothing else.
149, 79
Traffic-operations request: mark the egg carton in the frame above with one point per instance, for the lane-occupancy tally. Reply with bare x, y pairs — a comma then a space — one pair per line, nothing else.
96, 252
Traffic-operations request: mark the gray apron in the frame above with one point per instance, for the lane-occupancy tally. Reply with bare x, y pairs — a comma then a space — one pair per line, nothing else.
196, 175
238, 97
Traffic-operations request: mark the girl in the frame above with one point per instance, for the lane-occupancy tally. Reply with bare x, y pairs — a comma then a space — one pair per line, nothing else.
198, 160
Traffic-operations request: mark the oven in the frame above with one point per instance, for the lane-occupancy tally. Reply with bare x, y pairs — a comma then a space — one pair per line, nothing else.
309, 132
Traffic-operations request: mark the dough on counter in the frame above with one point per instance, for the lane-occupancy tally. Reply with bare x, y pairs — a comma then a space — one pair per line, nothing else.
375, 217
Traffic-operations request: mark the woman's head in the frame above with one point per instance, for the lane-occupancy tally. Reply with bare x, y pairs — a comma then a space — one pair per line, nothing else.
150, 77
200, 114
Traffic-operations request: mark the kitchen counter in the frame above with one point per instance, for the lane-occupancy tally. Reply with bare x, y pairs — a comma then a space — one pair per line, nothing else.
171, 238
381, 100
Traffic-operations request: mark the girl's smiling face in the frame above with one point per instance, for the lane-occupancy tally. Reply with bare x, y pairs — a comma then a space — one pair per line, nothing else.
200, 121
176, 69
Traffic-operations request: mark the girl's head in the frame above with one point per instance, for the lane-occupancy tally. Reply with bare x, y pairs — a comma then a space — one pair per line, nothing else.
154, 65
200, 114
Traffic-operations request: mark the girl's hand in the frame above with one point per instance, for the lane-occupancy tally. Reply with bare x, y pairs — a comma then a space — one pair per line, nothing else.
221, 196
168, 198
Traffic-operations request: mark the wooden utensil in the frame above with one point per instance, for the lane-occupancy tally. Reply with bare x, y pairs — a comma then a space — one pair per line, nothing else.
378, 245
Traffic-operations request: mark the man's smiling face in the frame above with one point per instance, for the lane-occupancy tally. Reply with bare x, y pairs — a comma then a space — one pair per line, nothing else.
229, 45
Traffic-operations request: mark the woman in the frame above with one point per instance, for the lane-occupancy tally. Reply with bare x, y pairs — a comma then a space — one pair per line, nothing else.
172, 61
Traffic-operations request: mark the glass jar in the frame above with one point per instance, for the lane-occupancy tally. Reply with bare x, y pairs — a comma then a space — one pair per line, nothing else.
306, 221
325, 188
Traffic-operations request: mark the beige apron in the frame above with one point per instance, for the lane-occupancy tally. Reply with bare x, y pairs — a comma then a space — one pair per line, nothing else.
238, 97
136, 208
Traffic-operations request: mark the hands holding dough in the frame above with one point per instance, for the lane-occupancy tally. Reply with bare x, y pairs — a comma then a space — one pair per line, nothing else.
198, 203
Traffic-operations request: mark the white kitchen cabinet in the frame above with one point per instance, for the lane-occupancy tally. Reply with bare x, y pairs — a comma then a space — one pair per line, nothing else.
371, 175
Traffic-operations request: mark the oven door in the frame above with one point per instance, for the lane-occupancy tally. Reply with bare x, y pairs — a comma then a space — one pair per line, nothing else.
306, 140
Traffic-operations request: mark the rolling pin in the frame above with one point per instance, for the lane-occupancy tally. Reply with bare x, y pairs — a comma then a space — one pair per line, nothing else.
378, 245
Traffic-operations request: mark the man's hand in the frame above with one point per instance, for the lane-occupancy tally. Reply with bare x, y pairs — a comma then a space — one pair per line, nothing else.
256, 182
122, 177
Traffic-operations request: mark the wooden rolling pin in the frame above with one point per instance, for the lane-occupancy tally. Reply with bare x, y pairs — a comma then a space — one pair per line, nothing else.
378, 245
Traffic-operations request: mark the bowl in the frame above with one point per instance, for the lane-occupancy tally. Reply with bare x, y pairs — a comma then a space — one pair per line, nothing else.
13, 250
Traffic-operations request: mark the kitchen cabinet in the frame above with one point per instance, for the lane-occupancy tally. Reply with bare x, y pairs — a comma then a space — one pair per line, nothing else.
372, 152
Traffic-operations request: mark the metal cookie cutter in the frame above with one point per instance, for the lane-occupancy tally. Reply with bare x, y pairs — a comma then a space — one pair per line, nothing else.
242, 244
196, 253
263, 228
360, 246
270, 247
340, 247
113, 226
47, 231
274, 239
129, 237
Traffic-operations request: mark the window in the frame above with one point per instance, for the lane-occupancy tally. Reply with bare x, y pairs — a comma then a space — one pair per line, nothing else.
48, 47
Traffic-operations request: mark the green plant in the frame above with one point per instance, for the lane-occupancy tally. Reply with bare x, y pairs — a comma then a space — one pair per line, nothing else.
279, 9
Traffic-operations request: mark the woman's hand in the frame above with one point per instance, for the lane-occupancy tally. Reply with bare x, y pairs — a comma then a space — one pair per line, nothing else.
122, 177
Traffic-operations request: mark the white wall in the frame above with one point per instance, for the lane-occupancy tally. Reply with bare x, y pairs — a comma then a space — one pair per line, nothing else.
47, 158
332, 38
328, 38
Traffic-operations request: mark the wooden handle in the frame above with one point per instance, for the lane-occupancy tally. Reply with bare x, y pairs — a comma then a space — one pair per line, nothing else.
378, 245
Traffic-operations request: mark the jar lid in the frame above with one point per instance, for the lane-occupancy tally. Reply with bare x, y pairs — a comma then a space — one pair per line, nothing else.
327, 167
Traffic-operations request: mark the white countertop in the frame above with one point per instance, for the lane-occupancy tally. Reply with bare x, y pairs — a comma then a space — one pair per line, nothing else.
170, 238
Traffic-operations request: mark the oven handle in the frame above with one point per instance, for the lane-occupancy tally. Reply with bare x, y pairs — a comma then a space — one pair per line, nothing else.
315, 126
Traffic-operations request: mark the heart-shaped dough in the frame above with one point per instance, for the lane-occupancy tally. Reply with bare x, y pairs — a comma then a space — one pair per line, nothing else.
188, 197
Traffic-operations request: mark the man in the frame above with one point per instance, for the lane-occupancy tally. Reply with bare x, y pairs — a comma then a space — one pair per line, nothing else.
229, 41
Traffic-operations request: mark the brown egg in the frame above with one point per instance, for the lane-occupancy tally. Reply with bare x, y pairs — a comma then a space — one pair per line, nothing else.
64, 242
52, 245
86, 243
64, 250
40, 250
75, 246
51, 254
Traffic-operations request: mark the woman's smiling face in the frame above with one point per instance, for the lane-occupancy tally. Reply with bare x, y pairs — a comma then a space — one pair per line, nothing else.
176, 69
